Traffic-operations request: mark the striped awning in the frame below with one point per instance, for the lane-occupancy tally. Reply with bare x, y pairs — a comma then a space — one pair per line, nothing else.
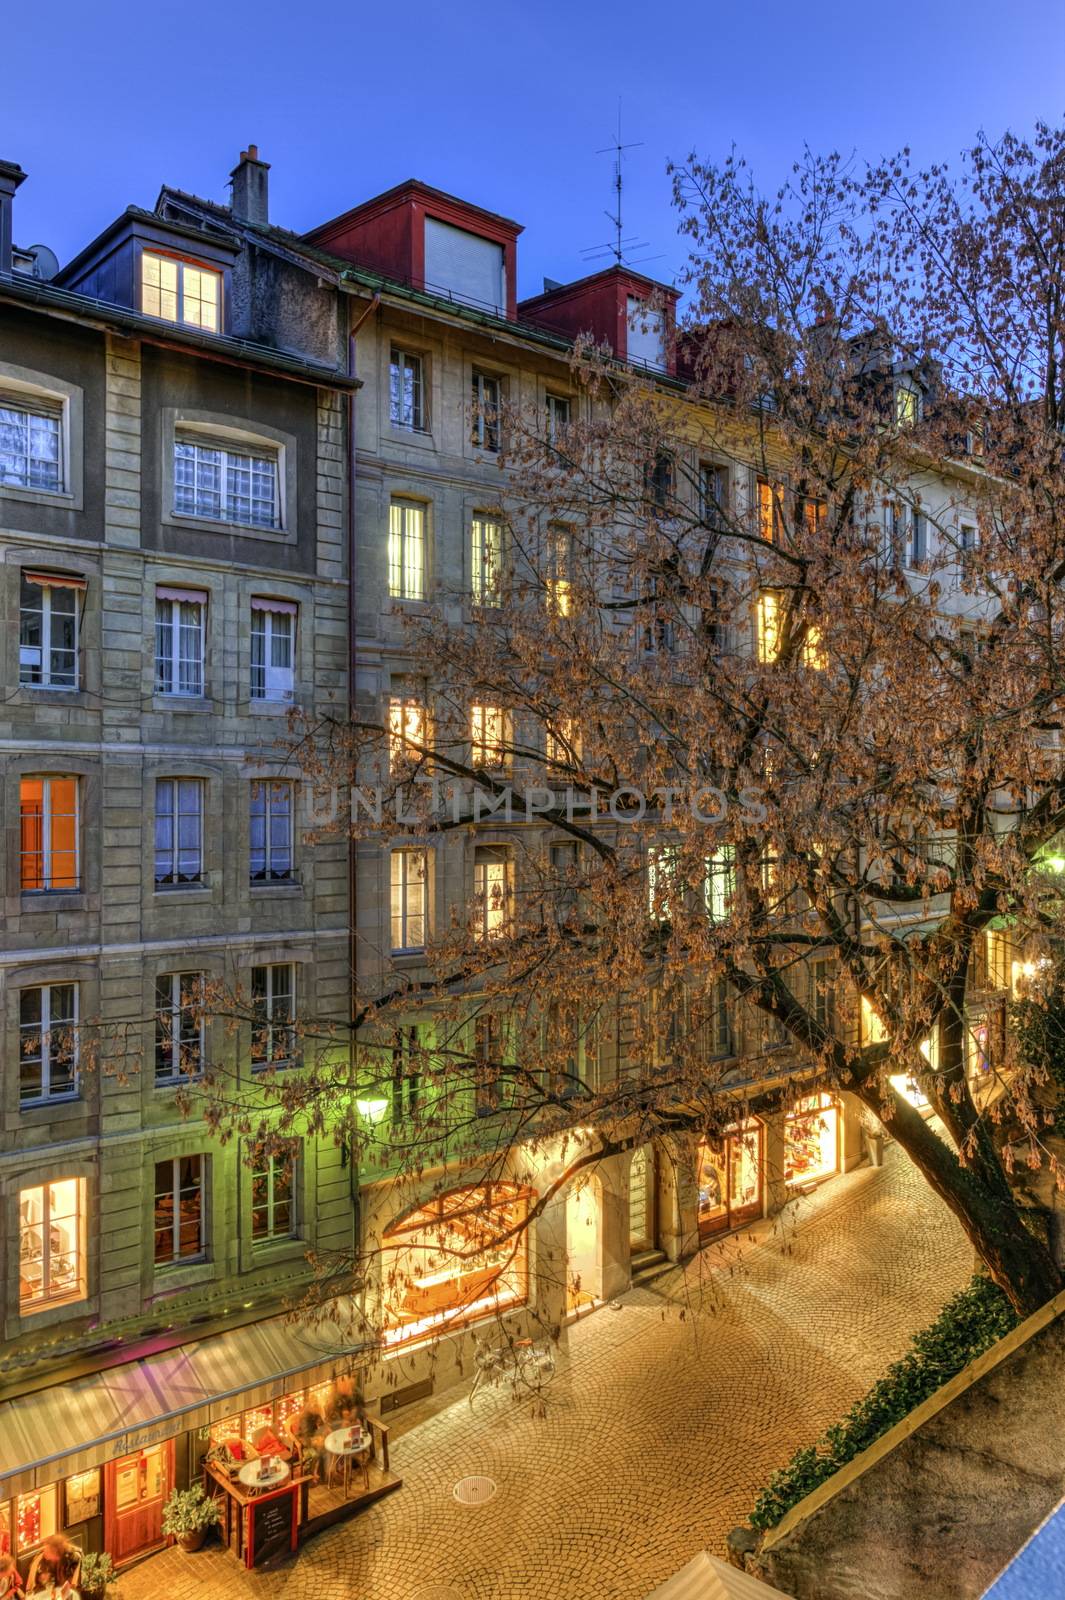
83, 1422
706, 1578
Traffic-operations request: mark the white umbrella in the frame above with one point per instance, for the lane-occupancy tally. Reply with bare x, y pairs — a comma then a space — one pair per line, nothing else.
706, 1578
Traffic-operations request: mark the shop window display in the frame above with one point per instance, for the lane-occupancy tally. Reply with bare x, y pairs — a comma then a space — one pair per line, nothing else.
811, 1140
5, 1527
459, 1258
35, 1518
83, 1496
730, 1179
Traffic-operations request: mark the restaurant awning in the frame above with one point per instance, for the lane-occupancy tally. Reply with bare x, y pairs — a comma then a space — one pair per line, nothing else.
83, 1422
706, 1578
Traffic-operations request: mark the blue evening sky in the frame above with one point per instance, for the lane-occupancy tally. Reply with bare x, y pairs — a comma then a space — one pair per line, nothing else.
504, 105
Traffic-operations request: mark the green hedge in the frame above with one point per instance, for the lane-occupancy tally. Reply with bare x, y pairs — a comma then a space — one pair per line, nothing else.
967, 1326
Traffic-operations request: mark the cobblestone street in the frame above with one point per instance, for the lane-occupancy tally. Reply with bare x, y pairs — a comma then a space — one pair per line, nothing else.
665, 1418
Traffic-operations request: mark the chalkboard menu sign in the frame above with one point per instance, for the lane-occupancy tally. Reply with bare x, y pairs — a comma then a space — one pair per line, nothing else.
272, 1530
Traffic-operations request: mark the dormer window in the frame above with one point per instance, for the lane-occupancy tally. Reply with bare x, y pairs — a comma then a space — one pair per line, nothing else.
646, 335
181, 291
907, 406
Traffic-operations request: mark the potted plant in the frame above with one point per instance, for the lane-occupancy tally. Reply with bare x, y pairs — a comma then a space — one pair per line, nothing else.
97, 1572
188, 1514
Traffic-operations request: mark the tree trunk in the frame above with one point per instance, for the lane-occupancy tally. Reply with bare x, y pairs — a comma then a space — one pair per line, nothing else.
1017, 1260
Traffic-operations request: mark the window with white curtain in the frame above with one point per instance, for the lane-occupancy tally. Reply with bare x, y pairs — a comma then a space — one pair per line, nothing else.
31, 443
273, 645
179, 636
406, 550
271, 831
48, 1042
48, 629
224, 483
178, 831
409, 899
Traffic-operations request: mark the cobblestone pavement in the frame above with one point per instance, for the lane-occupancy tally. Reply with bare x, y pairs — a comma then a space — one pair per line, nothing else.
665, 1418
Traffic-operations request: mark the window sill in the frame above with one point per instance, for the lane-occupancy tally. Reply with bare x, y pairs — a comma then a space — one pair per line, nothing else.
181, 1082
181, 702
53, 900
171, 1277
41, 497
28, 1309
44, 1102
284, 886
184, 891
180, 522
421, 437
259, 1067
52, 693
282, 1248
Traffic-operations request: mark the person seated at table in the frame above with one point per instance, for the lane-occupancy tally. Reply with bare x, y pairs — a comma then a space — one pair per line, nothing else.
57, 1566
308, 1431
11, 1584
340, 1407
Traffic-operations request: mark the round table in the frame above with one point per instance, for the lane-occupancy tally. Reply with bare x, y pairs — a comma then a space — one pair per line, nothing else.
339, 1443
251, 1475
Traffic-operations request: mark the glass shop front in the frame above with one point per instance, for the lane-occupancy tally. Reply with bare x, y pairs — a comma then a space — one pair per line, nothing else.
812, 1141
730, 1178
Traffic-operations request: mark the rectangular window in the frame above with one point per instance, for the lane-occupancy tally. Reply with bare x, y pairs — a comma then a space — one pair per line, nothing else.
179, 291
408, 727
658, 480
178, 831
406, 1075
491, 891
35, 1518
917, 542
48, 629
768, 624
52, 1244
907, 407
486, 560
565, 867
31, 444
222, 483
489, 736
49, 834
406, 392
179, 1209
967, 537
273, 998
563, 744
558, 418
406, 550
486, 397
271, 832
662, 864
719, 883
713, 495
273, 649
559, 575
489, 1064
48, 1042
770, 511
179, 1002
409, 887
273, 1193
179, 636
812, 514
823, 993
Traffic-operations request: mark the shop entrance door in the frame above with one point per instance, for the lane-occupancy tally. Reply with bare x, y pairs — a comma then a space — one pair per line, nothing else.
584, 1275
135, 1489
642, 1199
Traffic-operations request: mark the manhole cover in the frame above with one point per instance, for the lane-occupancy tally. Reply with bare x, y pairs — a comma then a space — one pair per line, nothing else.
439, 1591
474, 1491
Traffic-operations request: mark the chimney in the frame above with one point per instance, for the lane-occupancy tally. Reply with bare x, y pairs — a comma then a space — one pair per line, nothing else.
249, 183
11, 175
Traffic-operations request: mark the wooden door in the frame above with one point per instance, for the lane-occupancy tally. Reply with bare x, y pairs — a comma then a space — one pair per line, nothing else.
135, 1488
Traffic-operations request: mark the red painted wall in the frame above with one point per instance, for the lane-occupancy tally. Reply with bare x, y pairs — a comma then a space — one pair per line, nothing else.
598, 305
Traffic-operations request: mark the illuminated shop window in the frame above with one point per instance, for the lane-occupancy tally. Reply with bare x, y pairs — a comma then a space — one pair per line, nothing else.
35, 1518
456, 1260
729, 1178
811, 1140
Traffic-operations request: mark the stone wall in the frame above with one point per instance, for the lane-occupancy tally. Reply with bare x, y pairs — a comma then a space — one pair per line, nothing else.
939, 1505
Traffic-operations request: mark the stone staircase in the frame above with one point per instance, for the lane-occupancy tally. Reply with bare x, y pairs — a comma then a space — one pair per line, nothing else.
648, 1265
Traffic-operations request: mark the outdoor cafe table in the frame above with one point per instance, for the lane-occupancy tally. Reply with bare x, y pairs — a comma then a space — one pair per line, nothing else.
351, 1445
252, 1475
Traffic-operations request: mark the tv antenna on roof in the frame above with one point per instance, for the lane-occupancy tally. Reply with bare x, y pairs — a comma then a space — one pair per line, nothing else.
622, 245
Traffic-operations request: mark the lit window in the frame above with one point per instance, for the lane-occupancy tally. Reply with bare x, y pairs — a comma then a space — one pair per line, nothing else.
49, 834
662, 867
907, 406
178, 291
812, 514
814, 654
273, 639
491, 891
31, 444
406, 392
273, 1193
179, 1002
486, 397
873, 1029
221, 483
462, 1257
770, 511
273, 998
558, 418
406, 550
999, 958
178, 831
768, 626
271, 832
564, 743
486, 560
48, 630
489, 736
407, 732
719, 883
178, 1214
36, 1518
52, 1243
48, 1042
560, 571
179, 634
409, 873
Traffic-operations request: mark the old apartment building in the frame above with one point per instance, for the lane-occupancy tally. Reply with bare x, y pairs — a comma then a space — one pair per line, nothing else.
174, 578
